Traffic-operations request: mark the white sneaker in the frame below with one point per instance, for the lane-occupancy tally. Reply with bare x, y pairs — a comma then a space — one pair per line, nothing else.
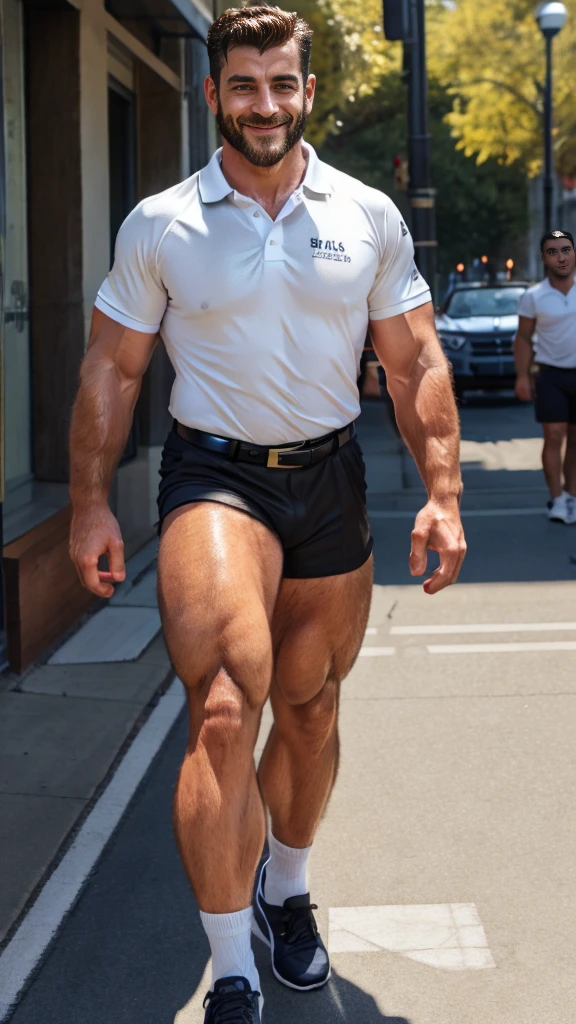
563, 509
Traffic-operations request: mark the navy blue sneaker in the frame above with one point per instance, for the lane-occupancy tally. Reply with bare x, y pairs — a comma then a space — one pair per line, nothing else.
232, 1002
299, 957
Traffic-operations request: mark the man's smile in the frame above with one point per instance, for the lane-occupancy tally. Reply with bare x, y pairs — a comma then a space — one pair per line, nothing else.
264, 129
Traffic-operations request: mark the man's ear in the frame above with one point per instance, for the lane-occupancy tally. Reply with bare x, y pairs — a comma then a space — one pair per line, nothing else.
309, 90
211, 94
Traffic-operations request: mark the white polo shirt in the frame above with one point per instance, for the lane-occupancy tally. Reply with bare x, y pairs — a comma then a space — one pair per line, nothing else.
264, 320
555, 315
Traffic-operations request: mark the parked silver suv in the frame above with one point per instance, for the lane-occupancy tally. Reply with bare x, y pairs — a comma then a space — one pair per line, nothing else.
476, 325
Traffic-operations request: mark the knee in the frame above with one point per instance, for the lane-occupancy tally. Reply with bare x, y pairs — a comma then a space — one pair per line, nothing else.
311, 720
228, 670
554, 436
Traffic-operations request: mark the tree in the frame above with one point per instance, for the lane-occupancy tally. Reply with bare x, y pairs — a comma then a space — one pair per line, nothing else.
490, 59
350, 58
480, 209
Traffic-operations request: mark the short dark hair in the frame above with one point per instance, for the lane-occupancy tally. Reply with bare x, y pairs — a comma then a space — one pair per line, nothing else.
553, 235
262, 27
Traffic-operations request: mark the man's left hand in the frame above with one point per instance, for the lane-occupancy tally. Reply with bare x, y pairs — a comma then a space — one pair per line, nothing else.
438, 527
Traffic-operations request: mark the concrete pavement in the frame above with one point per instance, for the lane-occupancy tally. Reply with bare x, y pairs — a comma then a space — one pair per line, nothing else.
444, 868
62, 729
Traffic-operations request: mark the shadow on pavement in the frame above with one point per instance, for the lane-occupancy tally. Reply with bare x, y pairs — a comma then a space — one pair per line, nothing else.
340, 1000
510, 539
133, 949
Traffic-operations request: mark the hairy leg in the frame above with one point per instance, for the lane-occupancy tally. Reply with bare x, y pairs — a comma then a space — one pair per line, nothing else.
218, 576
554, 436
570, 460
318, 628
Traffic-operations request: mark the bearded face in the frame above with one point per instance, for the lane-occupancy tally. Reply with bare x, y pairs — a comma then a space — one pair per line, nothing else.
271, 140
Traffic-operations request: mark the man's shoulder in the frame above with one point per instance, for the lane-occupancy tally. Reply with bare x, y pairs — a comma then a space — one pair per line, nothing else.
535, 291
157, 211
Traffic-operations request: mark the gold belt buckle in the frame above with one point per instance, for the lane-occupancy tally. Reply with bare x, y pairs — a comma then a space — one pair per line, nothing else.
273, 454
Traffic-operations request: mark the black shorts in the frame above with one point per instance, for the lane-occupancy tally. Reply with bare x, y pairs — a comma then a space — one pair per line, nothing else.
318, 512
555, 394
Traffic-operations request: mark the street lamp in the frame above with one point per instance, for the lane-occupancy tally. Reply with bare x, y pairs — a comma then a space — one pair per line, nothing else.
551, 18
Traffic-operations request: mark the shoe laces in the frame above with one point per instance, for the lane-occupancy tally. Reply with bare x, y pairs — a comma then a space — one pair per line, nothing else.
231, 1007
300, 924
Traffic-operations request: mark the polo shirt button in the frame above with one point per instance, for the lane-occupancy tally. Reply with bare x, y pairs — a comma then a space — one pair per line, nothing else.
272, 242
256, 213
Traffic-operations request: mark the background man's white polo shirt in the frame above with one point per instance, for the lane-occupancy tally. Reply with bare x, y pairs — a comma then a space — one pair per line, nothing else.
264, 320
555, 315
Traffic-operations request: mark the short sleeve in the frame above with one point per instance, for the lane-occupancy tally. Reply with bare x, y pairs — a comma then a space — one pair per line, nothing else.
398, 286
527, 306
133, 293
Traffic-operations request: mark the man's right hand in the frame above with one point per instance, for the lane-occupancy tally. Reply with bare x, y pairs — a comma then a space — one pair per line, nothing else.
523, 388
95, 532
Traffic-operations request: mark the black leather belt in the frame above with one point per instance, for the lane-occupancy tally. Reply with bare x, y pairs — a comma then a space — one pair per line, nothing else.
288, 456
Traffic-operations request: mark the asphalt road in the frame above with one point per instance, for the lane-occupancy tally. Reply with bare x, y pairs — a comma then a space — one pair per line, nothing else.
445, 867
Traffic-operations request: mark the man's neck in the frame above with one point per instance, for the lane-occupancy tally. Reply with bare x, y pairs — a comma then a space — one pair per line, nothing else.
562, 284
269, 186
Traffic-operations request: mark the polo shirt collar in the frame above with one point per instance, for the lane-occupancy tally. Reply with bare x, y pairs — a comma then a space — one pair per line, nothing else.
214, 187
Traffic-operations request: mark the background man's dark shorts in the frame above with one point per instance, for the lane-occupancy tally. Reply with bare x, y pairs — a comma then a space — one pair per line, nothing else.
555, 395
318, 513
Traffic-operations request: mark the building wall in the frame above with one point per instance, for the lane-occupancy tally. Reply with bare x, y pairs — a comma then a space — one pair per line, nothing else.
67, 70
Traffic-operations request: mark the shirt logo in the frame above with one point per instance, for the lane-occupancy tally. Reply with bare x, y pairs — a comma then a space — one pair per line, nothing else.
329, 250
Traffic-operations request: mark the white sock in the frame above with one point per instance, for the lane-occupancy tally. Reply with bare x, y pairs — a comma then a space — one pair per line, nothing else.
230, 942
286, 873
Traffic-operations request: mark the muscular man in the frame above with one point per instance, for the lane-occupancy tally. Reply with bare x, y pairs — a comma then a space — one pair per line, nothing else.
261, 273
549, 309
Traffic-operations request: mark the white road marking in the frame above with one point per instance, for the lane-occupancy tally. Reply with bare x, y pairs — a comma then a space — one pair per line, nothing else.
485, 627
481, 513
376, 652
60, 892
371, 631
552, 645
445, 935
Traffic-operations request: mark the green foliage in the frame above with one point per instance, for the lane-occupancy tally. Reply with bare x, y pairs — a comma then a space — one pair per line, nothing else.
480, 209
485, 64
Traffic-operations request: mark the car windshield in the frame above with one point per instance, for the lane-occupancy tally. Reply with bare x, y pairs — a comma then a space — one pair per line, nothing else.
484, 302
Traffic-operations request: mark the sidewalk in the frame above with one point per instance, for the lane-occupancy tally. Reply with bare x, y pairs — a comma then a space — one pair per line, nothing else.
65, 723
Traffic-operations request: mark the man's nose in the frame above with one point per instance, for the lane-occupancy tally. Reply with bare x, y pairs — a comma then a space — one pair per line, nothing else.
265, 103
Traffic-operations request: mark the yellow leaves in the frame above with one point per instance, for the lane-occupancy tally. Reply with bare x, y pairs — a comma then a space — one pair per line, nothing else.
349, 46
490, 57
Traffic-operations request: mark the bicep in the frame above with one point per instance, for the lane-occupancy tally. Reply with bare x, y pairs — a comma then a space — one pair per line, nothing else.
526, 328
401, 341
113, 346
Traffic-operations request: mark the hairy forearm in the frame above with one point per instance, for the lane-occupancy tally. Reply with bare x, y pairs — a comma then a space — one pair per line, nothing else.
101, 421
522, 355
428, 421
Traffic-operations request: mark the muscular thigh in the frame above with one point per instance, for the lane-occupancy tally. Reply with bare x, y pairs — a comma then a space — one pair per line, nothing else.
317, 631
218, 577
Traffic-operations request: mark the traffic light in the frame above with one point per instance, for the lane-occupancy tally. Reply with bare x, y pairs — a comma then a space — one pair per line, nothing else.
460, 268
401, 174
509, 269
484, 259
396, 19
